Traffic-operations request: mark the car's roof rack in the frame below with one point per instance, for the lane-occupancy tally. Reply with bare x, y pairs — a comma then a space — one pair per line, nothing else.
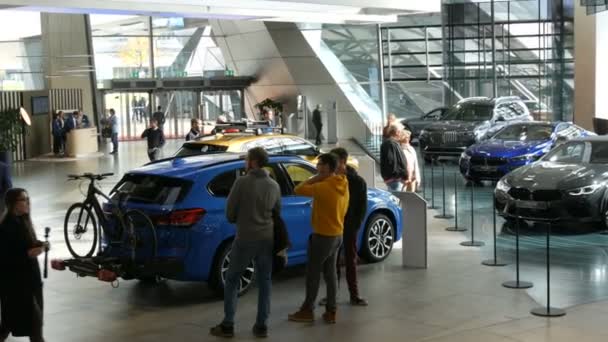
252, 127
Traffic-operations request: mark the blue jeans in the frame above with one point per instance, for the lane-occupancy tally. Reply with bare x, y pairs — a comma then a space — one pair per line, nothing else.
242, 253
114, 142
394, 186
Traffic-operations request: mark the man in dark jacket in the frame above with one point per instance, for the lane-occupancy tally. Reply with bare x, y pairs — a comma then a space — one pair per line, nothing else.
393, 165
317, 121
357, 206
156, 139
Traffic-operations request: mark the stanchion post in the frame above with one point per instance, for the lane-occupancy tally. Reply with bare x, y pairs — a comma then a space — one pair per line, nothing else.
432, 206
456, 228
423, 180
472, 243
517, 284
443, 215
548, 311
493, 262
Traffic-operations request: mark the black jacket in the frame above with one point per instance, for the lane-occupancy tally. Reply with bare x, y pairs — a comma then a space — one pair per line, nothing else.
393, 164
357, 203
20, 279
156, 138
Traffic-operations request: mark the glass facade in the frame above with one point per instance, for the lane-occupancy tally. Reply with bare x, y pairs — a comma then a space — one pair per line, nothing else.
501, 48
21, 60
144, 47
413, 65
482, 48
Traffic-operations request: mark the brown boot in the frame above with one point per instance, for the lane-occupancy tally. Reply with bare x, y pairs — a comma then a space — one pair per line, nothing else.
302, 315
329, 317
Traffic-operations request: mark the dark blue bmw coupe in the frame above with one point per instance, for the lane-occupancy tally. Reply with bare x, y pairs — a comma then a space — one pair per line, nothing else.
513, 146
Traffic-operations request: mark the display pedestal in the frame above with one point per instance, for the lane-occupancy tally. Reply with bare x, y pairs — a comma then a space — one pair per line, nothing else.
81, 142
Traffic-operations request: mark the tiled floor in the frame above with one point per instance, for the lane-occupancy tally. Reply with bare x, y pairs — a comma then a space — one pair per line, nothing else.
455, 299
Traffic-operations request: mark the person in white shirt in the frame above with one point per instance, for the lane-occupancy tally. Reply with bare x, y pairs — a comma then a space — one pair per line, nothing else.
413, 170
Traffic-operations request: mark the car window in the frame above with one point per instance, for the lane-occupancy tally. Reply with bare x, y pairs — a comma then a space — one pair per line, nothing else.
520, 132
152, 189
195, 149
569, 131
599, 153
569, 153
298, 147
220, 185
298, 173
271, 145
469, 112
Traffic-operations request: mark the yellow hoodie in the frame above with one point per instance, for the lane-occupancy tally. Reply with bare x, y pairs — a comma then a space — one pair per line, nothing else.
330, 202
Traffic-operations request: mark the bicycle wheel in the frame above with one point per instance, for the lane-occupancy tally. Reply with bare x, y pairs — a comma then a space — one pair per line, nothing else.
140, 236
80, 231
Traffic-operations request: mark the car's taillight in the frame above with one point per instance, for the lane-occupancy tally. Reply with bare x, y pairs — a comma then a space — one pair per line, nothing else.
232, 130
181, 218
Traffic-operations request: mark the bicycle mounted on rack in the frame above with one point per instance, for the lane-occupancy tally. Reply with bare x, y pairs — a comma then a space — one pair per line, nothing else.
126, 249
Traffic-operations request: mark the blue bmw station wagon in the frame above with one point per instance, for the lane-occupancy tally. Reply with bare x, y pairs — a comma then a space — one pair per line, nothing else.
186, 198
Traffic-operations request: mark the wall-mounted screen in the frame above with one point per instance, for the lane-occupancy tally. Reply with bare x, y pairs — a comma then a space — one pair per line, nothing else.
40, 105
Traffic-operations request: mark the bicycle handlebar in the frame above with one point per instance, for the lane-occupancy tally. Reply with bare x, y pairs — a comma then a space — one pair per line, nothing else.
90, 176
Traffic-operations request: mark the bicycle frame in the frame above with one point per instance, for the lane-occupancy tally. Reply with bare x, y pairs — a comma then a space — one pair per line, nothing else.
91, 201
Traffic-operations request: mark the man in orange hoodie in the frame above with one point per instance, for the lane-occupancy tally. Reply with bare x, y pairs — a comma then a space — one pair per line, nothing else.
330, 203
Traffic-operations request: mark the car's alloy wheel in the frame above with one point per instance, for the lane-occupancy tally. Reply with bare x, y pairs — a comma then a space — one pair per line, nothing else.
221, 270
379, 238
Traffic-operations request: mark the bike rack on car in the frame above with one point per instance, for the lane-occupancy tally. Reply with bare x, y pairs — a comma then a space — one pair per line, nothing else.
110, 269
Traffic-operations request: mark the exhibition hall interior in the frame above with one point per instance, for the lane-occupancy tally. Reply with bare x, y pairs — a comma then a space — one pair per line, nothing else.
129, 124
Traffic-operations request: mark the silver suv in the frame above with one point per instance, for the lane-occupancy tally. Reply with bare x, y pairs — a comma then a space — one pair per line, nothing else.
469, 121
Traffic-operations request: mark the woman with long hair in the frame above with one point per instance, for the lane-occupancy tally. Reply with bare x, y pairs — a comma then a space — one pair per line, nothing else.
21, 283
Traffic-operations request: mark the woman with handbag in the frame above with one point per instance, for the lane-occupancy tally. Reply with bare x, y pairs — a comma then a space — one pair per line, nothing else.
21, 282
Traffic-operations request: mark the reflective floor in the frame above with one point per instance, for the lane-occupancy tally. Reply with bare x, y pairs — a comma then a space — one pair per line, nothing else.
455, 299
579, 262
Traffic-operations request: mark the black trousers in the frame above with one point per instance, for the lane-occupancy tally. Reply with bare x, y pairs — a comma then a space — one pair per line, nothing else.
153, 154
319, 129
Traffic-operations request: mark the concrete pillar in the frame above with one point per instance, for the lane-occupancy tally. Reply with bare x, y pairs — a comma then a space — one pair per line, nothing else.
64, 42
590, 67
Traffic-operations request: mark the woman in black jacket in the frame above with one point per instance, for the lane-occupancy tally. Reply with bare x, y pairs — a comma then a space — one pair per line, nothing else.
20, 283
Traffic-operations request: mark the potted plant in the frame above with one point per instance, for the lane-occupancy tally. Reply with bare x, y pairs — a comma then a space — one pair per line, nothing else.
276, 107
11, 128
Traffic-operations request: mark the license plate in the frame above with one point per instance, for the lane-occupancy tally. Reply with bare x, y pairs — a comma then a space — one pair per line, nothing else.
531, 204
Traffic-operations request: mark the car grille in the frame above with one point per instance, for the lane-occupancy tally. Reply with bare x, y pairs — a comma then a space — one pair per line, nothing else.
490, 161
537, 195
438, 138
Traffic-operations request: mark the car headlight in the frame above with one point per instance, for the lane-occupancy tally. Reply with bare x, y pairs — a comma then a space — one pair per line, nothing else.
526, 157
585, 190
503, 185
394, 199
465, 156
